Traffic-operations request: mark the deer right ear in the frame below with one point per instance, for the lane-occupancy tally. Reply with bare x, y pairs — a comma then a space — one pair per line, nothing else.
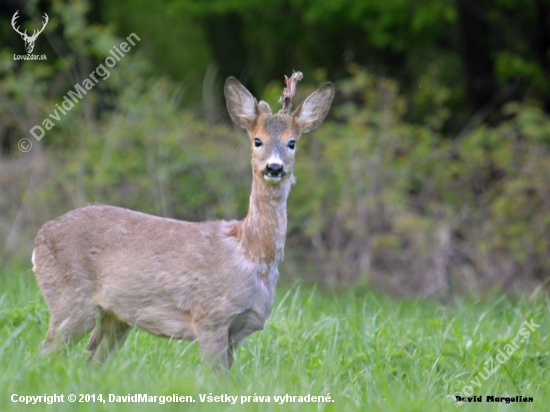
241, 105
312, 111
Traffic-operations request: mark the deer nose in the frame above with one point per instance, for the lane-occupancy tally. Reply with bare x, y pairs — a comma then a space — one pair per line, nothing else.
274, 169
273, 172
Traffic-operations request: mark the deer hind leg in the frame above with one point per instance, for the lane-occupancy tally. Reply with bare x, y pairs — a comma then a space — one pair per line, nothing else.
107, 337
68, 324
67, 293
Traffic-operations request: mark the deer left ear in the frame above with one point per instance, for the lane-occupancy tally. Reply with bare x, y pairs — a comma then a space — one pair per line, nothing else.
312, 111
241, 105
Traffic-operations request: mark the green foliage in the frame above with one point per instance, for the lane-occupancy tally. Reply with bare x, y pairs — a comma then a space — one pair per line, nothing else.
260, 40
409, 209
395, 24
174, 42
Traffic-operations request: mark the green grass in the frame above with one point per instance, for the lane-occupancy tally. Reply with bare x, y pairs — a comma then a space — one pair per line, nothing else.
370, 352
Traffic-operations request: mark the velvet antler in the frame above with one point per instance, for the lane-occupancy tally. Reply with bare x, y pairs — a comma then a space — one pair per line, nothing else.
289, 91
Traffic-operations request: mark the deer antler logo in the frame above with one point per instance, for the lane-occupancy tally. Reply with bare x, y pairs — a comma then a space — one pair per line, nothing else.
29, 40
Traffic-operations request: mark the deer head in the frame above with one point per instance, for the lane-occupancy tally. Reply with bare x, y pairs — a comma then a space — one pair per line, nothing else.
274, 137
29, 40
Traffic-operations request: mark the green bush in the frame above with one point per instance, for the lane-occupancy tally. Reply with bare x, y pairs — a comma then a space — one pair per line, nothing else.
413, 210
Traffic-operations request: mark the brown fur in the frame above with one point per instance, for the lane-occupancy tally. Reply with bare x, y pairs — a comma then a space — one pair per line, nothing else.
105, 269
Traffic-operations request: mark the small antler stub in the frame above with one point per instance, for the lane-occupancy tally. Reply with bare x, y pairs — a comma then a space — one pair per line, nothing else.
289, 91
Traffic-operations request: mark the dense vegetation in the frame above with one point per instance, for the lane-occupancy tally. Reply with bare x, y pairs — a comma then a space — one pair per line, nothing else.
484, 51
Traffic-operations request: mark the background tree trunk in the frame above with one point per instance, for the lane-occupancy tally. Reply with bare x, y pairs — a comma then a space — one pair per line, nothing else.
475, 40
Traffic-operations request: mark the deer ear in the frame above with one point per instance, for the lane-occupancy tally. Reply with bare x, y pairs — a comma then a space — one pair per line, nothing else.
264, 107
312, 111
241, 105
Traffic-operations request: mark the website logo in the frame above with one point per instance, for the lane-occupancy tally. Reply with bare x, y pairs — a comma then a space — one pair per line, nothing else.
29, 40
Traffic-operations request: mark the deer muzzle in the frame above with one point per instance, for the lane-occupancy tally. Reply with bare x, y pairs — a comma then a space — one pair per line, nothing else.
273, 172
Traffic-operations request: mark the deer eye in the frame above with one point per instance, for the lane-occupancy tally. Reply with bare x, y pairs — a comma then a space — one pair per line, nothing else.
257, 142
291, 144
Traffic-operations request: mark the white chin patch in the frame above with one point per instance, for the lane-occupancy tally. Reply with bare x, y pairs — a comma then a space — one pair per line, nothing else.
272, 179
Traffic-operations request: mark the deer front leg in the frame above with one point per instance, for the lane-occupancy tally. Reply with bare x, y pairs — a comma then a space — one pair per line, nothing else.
235, 340
213, 345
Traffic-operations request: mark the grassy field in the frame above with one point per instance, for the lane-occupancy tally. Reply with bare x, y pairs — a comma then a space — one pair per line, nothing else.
364, 350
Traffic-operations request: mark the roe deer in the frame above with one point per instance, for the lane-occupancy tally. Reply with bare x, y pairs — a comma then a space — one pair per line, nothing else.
106, 269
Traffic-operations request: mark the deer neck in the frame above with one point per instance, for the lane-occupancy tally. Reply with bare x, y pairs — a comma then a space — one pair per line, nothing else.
262, 233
